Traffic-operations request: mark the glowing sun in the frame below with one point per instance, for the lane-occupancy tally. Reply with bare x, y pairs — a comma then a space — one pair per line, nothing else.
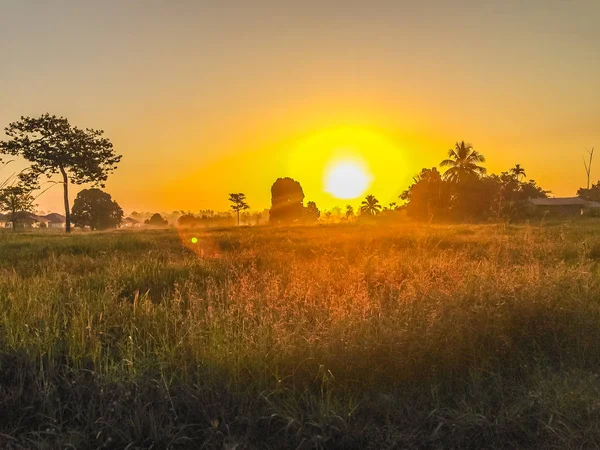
347, 180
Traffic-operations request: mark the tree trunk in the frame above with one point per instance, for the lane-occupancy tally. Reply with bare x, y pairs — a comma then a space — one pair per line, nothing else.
238, 217
66, 198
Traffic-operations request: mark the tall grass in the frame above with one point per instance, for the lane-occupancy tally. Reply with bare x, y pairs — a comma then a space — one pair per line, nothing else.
480, 336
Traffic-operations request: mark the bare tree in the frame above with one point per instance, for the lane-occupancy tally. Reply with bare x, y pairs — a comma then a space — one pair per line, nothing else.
588, 165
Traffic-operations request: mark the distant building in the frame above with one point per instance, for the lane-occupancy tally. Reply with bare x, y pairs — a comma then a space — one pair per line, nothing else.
563, 206
29, 220
130, 222
53, 220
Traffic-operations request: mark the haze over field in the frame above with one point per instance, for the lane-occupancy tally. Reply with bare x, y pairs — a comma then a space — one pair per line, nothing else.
204, 99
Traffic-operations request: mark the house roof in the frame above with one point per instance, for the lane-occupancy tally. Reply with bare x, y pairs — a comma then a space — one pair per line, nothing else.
565, 201
54, 218
130, 220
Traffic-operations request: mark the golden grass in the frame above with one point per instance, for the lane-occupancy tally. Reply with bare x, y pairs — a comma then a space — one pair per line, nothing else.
408, 336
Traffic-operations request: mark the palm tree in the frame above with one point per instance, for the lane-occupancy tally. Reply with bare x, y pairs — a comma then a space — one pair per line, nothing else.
370, 205
349, 211
518, 172
462, 163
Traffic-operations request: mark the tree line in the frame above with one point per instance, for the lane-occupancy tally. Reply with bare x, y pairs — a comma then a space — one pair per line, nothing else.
463, 191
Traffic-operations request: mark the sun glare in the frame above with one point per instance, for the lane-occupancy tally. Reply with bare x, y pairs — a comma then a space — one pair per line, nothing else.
347, 180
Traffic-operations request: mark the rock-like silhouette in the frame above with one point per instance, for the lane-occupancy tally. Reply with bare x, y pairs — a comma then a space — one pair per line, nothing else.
287, 199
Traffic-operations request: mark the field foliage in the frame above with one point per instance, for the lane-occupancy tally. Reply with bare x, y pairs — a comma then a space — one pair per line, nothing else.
341, 336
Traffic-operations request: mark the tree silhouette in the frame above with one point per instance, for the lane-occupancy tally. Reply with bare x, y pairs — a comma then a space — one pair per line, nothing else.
462, 163
428, 197
518, 172
156, 221
238, 203
53, 146
96, 209
17, 201
370, 206
311, 212
287, 199
349, 212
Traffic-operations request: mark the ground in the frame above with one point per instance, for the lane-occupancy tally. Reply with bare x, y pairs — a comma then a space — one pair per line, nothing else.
341, 336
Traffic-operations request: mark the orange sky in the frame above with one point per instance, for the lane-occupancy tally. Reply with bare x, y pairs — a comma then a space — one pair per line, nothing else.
203, 99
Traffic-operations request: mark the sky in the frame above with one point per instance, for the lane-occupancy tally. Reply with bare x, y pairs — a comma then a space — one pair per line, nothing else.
205, 98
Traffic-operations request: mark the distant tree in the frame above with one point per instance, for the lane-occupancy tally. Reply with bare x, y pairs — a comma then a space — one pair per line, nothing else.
462, 163
18, 202
187, 220
311, 212
592, 194
531, 190
428, 197
238, 203
349, 212
370, 205
96, 209
287, 199
156, 221
518, 172
53, 146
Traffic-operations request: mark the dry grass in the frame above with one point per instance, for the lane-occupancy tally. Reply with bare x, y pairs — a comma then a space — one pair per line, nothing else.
404, 336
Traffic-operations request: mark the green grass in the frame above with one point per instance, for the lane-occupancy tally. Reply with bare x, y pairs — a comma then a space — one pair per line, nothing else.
407, 336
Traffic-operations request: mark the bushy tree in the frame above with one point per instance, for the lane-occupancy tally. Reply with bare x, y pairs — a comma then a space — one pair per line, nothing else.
311, 212
287, 199
428, 197
156, 220
187, 220
96, 209
592, 194
54, 146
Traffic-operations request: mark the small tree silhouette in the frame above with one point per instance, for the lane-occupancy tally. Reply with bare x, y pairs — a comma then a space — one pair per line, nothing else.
238, 203
370, 206
17, 201
311, 212
349, 212
518, 172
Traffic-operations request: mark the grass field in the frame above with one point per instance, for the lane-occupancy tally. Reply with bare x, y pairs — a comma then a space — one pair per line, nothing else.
408, 336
